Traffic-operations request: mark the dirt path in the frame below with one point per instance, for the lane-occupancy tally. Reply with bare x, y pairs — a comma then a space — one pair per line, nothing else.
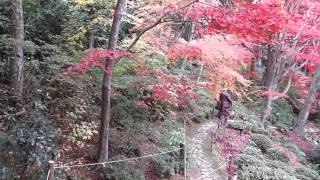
205, 164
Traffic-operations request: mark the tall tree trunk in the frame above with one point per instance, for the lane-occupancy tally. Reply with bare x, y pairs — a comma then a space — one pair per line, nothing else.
187, 34
17, 65
304, 113
268, 70
273, 73
106, 86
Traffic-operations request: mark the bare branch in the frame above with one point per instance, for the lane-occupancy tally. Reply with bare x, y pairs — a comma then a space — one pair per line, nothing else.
159, 21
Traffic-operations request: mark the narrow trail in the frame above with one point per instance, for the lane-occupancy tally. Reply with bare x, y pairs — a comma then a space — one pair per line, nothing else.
207, 168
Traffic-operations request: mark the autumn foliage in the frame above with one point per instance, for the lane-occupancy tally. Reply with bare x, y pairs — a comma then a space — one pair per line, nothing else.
98, 58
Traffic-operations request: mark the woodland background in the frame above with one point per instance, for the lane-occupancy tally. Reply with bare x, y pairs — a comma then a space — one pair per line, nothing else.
85, 81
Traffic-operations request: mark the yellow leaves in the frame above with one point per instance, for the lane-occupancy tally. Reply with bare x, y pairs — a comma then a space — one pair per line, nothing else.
78, 36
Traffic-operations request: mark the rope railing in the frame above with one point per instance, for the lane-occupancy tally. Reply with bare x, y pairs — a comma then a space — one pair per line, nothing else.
50, 175
116, 161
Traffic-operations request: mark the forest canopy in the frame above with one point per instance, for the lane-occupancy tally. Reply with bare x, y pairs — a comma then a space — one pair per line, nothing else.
138, 81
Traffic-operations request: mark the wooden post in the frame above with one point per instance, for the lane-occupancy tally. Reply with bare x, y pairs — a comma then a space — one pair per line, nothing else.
213, 138
182, 157
51, 173
211, 141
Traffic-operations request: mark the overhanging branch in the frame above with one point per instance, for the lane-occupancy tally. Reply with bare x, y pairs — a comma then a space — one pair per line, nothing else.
159, 21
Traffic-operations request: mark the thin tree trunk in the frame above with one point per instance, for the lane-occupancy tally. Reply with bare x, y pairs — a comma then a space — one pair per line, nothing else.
91, 38
304, 113
253, 67
17, 65
200, 73
268, 109
106, 86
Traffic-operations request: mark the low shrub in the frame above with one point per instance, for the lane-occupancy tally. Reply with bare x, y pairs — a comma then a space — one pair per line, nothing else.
254, 126
169, 135
167, 165
264, 173
259, 130
262, 141
282, 113
248, 160
252, 151
123, 171
202, 108
293, 148
308, 173
275, 154
237, 125
31, 145
280, 165
315, 155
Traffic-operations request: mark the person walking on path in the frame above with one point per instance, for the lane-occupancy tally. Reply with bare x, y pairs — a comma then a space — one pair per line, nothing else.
224, 107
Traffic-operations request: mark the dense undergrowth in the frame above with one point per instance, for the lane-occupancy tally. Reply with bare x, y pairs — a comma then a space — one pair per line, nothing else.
267, 153
60, 122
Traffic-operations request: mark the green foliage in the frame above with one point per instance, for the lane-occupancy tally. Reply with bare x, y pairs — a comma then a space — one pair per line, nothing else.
79, 110
275, 154
202, 108
125, 67
263, 142
31, 145
308, 173
293, 148
168, 164
254, 126
252, 151
264, 173
169, 134
123, 171
253, 165
245, 160
127, 115
280, 165
282, 112
237, 125
242, 113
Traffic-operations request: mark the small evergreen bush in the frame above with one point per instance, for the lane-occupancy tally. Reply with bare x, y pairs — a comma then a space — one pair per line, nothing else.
237, 125
282, 112
252, 151
262, 141
275, 154
245, 160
